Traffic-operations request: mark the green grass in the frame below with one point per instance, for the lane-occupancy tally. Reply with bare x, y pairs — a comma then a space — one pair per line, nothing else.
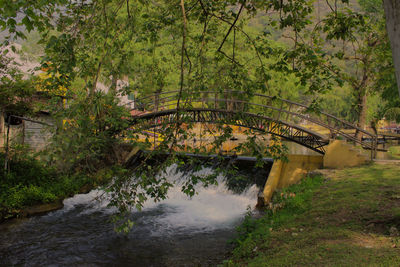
30, 183
394, 151
342, 220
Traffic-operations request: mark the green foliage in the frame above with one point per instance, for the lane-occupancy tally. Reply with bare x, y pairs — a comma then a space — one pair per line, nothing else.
21, 196
24, 168
254, 233
372, 6
36, 15
92, 42
30, 182
90, 130
394, 151
15, 92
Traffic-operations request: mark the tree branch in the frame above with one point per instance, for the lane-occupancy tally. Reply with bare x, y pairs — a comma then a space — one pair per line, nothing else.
245, 34
230, 28
127, 9
184, 29
190, 62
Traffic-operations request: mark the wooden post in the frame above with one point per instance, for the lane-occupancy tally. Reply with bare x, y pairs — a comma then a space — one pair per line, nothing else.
154, 138
372, 150
374, 144
288, 114
23, 132
156, 100
279, 112
3, 136
7, 141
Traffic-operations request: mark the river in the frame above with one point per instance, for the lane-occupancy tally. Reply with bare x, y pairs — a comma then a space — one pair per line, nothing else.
176, 232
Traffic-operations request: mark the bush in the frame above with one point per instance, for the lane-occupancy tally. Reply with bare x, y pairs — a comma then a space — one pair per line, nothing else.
29, 182
24, 169
29, 195
284, 207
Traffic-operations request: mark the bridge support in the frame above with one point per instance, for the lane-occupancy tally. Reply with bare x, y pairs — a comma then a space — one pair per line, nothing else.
340, 154
283, 174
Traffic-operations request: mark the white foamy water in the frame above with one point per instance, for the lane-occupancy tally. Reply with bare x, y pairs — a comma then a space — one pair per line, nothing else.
213, 207
179, 231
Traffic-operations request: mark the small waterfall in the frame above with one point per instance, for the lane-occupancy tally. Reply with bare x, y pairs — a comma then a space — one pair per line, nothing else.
213, 207
179, 231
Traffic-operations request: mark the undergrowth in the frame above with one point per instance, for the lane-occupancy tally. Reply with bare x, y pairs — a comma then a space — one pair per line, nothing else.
285, 206
29, 182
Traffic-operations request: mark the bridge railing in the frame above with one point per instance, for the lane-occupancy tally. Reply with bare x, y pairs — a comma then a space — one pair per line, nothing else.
277, 108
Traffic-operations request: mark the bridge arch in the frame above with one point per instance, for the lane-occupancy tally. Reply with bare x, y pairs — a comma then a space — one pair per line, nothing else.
265, 124
290, 120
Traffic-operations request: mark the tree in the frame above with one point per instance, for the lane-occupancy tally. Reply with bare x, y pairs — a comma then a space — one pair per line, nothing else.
358, 38
15, 92
392, 12
193, 46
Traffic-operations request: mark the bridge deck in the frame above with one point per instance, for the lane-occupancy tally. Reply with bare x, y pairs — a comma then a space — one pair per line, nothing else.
294, 121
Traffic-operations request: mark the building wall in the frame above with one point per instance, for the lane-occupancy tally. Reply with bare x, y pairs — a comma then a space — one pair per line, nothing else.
15, 134
37, 135
30, 133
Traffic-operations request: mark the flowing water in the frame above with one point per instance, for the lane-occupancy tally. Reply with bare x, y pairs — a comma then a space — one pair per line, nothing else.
176, 232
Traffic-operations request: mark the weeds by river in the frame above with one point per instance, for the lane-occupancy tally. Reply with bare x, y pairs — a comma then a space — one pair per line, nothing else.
30, 182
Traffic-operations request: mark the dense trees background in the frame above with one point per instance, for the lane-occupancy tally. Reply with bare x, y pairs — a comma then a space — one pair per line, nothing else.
312, 47
392, 11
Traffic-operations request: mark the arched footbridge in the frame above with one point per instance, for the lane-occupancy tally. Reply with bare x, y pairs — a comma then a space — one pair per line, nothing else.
292, 121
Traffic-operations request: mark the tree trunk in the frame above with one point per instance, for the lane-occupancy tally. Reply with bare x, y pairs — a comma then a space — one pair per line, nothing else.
392, 13
157, 103
113, 87
362, 114
6, 164
2, 132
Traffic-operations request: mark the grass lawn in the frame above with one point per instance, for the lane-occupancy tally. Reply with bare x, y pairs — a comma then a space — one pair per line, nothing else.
347, 217
394, 151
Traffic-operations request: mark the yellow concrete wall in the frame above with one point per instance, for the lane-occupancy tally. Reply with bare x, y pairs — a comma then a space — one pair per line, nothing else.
283, 174
272, 181
339, 155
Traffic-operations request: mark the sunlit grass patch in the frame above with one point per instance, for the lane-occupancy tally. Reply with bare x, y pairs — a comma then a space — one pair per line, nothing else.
349, 219
394, 151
